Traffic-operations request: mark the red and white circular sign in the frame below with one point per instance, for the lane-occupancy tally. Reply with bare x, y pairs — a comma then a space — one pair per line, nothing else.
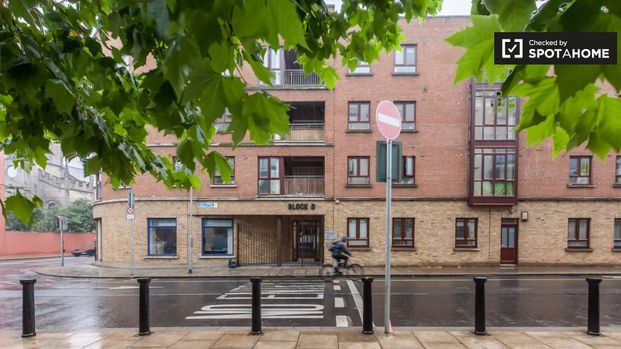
388, 119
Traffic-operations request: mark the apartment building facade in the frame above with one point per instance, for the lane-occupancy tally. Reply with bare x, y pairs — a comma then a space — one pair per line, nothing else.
472, 192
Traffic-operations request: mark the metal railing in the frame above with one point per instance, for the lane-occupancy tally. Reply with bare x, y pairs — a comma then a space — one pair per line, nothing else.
296, 77
304, 185
307, 132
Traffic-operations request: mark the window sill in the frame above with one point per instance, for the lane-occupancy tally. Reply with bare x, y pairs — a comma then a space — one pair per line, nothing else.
358, 186
466, 249
580, 185
410, 131
403, 249
578, 249
364, 249
161, 257
405, 185
616, 185
358, 131
616, 249
217, 257
223, 186
359, 74
404, 74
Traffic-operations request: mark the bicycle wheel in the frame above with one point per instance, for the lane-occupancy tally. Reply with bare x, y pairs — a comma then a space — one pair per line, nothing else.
326, 272
355, 272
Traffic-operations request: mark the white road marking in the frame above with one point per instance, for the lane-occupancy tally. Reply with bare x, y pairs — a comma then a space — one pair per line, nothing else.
268, 311
337, 287
335, 282
341, 321
339, 302
128, 287
357, 299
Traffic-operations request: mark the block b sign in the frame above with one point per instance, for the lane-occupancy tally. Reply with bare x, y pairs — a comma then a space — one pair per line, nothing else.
555, 48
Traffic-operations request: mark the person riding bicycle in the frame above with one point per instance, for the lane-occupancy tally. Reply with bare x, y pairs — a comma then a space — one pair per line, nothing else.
340, 252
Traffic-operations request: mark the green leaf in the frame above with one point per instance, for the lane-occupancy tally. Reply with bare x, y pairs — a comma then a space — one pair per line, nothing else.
543, 101
572, 78
512, 14
221, 56
609, 114
58, 92
21, 206
265, 115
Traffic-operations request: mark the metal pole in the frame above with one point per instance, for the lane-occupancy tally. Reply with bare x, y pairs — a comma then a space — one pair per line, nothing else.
479, 306
190, 234
387, 324
367, 306
143, 311
28, 308
256, 306
131, 249
593, 310
62, 242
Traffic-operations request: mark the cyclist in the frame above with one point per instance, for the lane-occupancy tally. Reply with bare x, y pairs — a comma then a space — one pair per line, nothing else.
340, 252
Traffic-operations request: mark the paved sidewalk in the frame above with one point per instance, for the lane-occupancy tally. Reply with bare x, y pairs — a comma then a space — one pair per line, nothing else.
122, 271
318, 338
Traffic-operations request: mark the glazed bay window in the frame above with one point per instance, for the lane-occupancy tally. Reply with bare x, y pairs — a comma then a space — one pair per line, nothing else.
217, 180
494, 117
618, 171
162, 236
358, 170
617, 234
466, 232
358, 232
403, 232
494, 172
405, 60
407, 110
273, 61
217, 237
270, 176
407, 175
578, 233
358, 116
580, 170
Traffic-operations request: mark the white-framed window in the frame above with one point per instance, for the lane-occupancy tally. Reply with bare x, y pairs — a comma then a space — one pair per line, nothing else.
405, 60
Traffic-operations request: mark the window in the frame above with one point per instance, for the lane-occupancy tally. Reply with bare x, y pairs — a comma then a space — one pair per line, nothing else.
494, 172
407, 176
578, 233
494, 117
579, 170
405, 60
403, 232
617, 234
217, 180
270, 176
98, 186
362, 68
618, 171
162, 236
272, 61
358, 115
466, 232
358, 170
358, 232
217, 237
407, 110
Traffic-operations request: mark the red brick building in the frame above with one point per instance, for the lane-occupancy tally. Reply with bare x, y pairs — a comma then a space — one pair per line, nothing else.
472, 193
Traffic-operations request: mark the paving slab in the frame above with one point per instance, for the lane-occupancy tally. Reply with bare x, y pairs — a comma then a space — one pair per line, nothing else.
317, 341
280, 336
242, 341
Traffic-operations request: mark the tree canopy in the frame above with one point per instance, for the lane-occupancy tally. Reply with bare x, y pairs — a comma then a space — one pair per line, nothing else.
58, 84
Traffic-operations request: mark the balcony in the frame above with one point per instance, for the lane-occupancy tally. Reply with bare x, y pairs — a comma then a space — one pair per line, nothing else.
296, 77
304, 185
287, 72
303, 133
306, 122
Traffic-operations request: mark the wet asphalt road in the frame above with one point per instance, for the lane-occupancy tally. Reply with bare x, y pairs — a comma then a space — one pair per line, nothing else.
74, 304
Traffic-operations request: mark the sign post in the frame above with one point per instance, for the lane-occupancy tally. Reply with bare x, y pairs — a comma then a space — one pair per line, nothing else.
62, 225
389, 123
131, 211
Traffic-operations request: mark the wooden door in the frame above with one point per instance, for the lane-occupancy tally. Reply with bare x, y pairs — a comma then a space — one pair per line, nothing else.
509, 241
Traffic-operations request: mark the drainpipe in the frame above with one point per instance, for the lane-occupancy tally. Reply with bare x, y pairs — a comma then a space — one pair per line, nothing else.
190, 235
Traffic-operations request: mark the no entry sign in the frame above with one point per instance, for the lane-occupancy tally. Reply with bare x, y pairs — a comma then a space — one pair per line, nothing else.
388, 119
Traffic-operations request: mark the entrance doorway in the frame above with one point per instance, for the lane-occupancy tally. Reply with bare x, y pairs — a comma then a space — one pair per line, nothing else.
509, 241
306, 241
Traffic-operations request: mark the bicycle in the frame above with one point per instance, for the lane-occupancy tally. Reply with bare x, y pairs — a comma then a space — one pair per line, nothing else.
353, 271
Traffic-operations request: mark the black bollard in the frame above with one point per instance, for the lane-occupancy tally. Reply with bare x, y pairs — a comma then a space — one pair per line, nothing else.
28, 308
367, 306
256, 306
593, 312
479, 306
143, 326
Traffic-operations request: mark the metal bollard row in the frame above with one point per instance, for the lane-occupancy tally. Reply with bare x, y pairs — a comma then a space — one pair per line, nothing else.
143, 310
